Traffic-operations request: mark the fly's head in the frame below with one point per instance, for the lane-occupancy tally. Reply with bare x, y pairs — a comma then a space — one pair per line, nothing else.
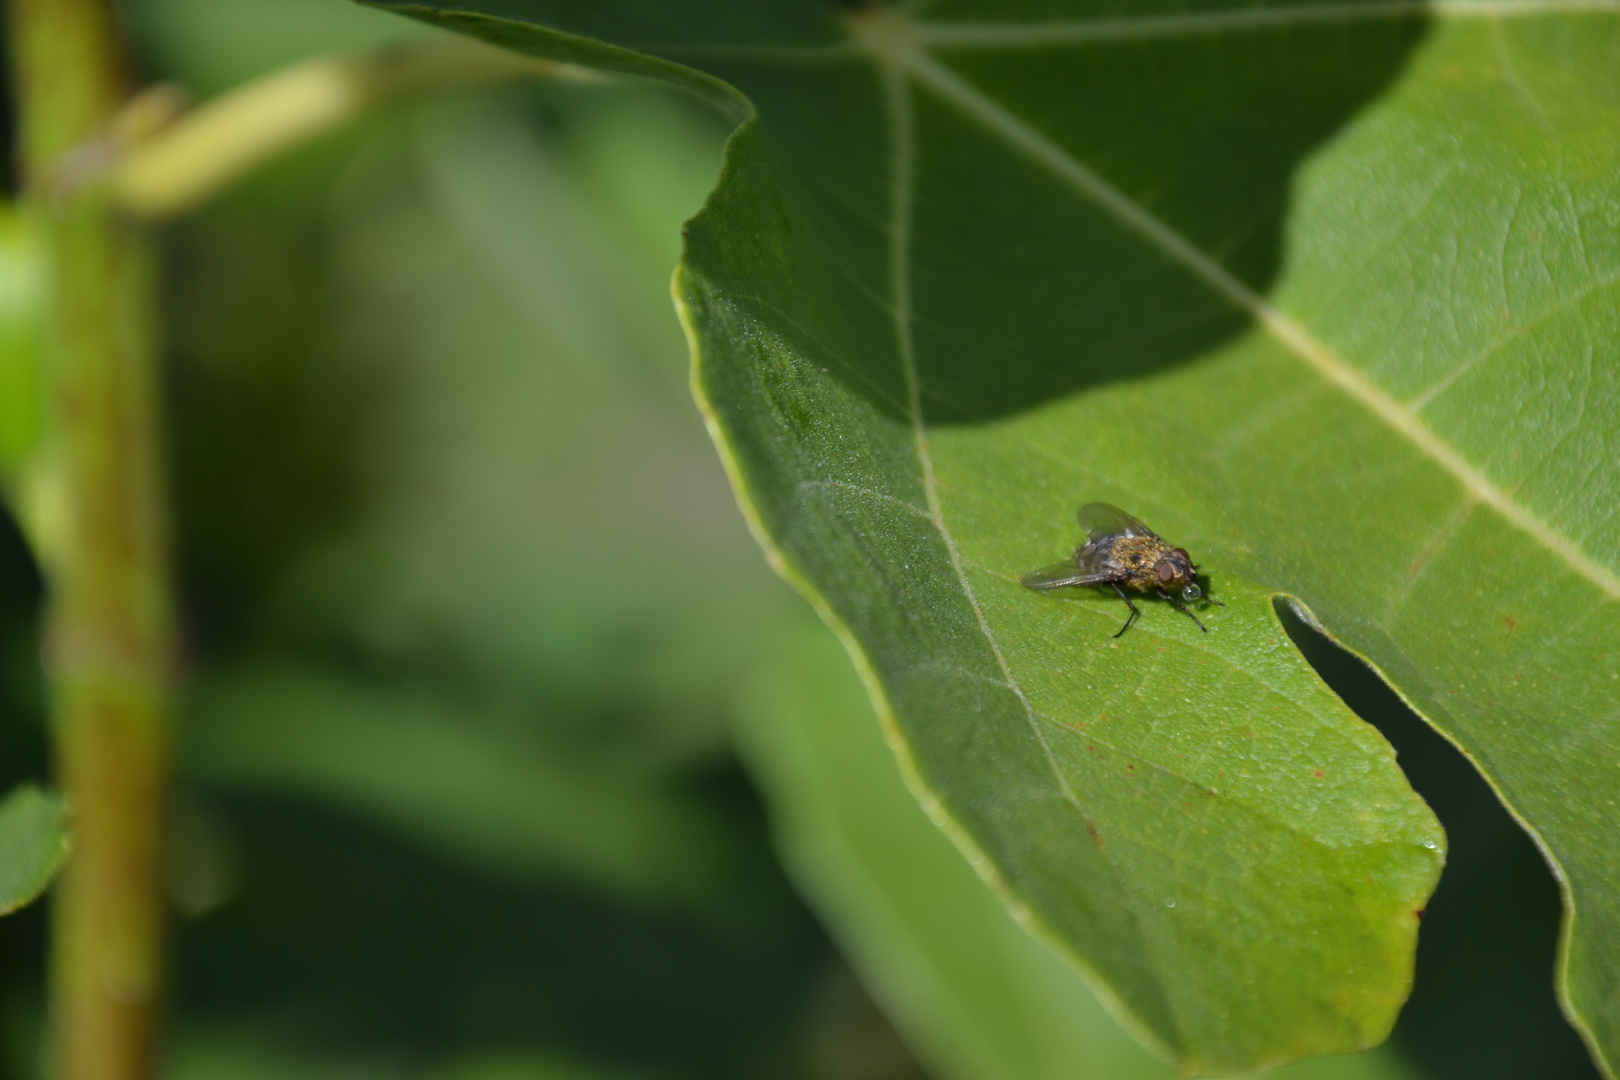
1174, 570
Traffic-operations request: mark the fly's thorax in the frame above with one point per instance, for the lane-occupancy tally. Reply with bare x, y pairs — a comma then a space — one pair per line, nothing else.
1138, 556
1151, 563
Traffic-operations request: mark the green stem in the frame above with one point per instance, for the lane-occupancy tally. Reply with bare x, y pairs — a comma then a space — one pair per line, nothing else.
206, 150
100, 531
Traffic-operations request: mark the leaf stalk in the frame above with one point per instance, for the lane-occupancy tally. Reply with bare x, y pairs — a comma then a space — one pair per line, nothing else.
186, 162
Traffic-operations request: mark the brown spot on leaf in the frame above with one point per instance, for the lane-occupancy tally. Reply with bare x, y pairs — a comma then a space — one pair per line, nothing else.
1096, 837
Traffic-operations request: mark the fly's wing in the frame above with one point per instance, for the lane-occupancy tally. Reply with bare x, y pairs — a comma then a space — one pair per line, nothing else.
1069, 572
1105, 519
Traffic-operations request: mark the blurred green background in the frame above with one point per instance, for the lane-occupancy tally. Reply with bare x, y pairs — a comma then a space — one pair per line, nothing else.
489, 690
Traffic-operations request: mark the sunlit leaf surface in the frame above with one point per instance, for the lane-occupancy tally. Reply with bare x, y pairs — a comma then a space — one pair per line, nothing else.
1326, 294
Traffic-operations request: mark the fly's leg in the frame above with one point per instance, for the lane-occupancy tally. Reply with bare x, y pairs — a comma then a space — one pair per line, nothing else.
1185, 610
1134, 613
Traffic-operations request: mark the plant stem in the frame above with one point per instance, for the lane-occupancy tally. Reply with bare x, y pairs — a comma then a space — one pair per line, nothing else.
100, 534
206, 150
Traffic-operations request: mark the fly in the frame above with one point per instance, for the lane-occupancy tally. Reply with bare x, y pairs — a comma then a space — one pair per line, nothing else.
1122, 552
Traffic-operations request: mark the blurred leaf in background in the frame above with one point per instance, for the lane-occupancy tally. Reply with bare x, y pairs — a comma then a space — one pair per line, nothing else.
534, 558
471, 602
442, 494
212, 45
33, 843
468, 600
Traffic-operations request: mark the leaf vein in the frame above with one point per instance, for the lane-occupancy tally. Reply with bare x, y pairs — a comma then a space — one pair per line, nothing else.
1284, 824
948, 85
832, 355
1430, 551
1441, 385
870, 493
904, 185
966, 35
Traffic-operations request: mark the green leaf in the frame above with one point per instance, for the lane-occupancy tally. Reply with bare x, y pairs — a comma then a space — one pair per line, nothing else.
211, 45
506, 695
248, 1052
975, 993
33, 845
459, 779
1326, 293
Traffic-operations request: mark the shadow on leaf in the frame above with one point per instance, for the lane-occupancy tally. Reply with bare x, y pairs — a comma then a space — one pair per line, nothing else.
1024, 287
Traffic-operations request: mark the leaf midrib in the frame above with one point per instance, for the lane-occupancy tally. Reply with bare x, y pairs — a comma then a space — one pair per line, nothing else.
893, 45
897, 95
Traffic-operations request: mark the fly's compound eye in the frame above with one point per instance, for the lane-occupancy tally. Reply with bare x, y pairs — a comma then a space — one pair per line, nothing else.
1191, 592
1166, 571
1181, 553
